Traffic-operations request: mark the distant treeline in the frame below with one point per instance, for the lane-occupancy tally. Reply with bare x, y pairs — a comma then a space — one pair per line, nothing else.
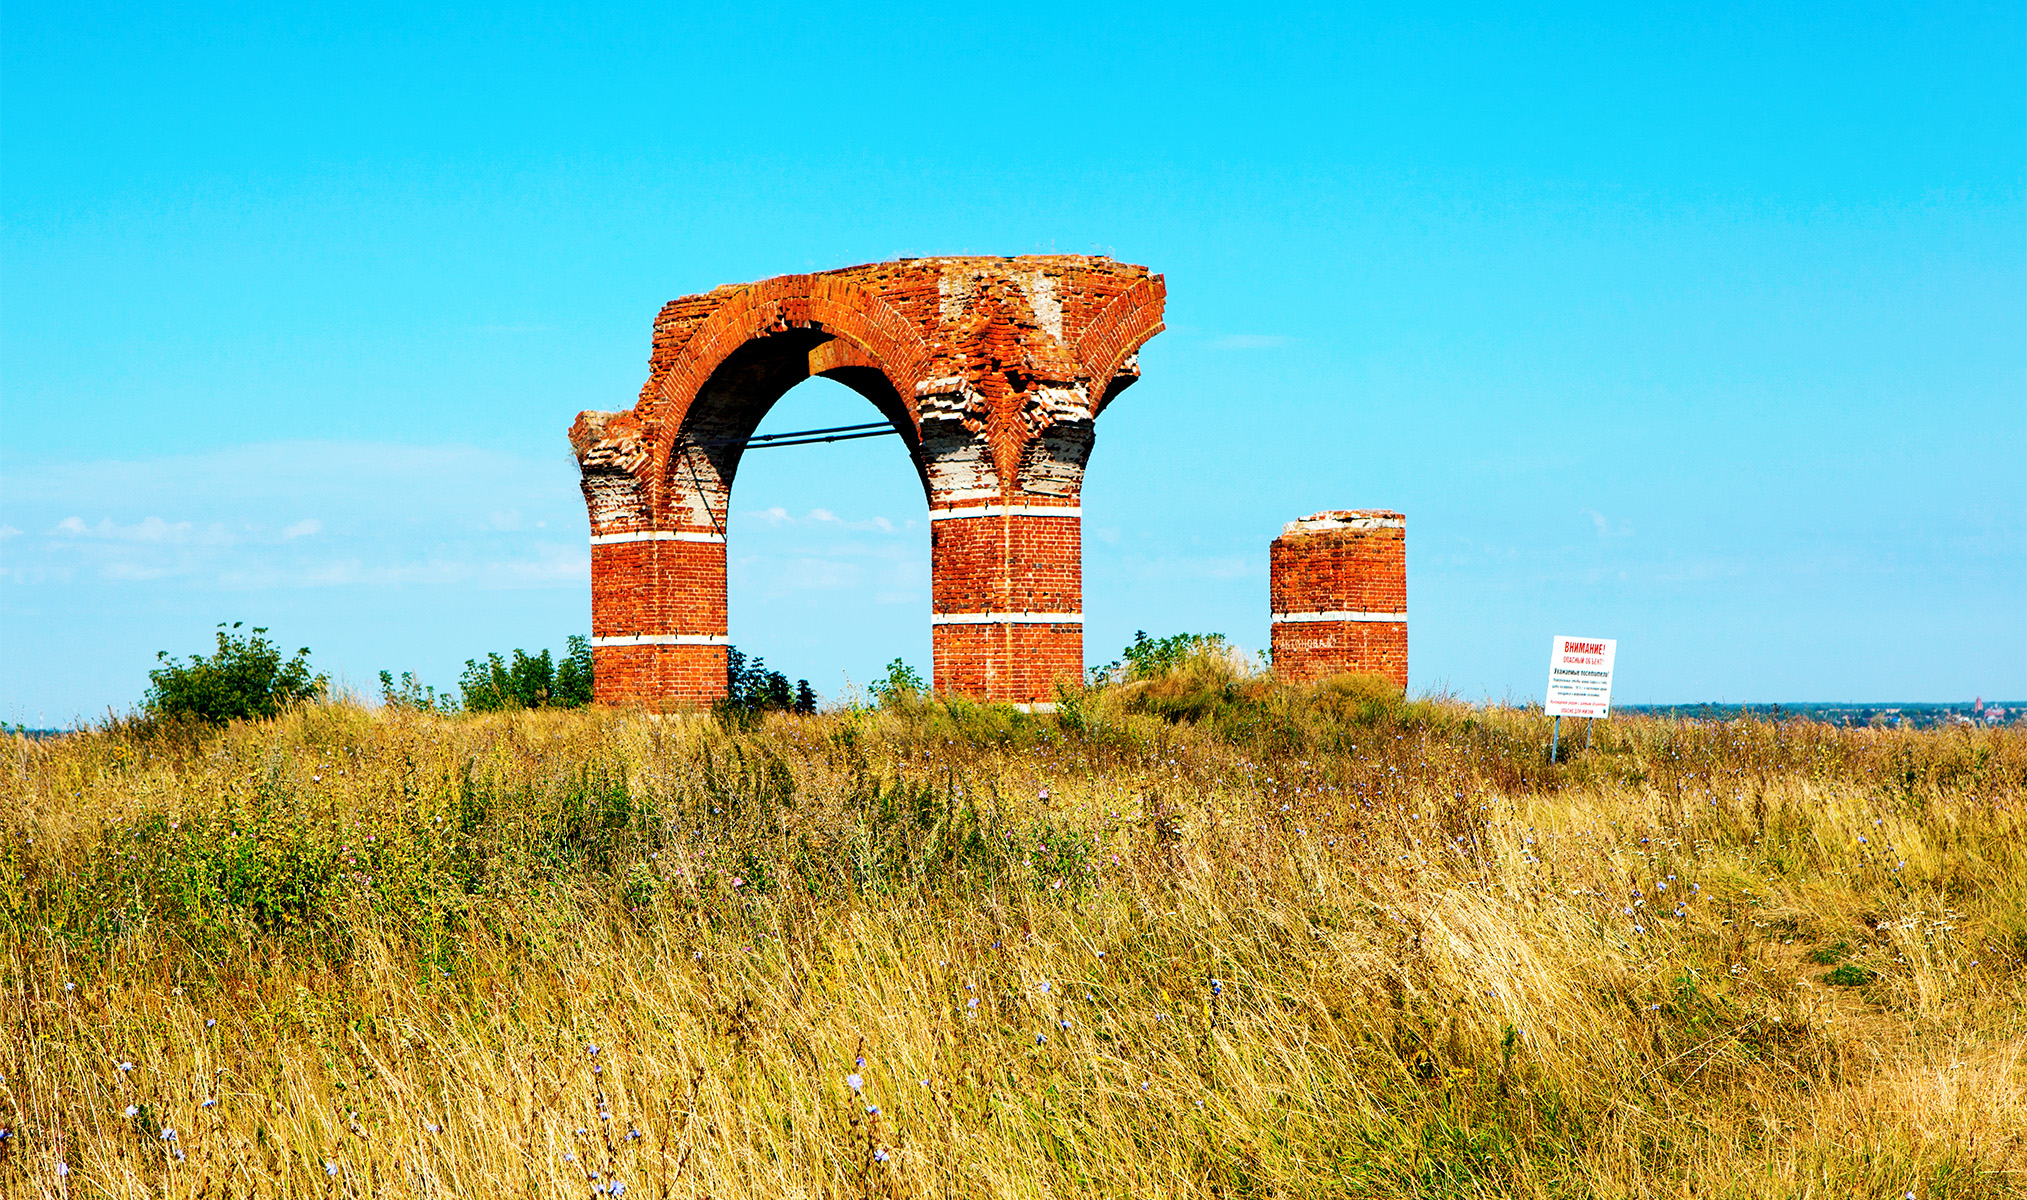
1905, 716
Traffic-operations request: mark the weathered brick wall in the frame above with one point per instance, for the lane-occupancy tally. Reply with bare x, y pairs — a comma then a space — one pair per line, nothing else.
1018, 661
1023, 562
660, 676
1338, 591
991, 369
658, 619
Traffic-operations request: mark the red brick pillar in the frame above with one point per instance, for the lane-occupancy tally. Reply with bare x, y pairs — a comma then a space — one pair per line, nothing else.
1006, 565
1007, 598
659, 616
658, 612
1338, 586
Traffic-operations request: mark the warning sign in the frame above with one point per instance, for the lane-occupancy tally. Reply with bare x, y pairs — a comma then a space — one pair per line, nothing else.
1580, 677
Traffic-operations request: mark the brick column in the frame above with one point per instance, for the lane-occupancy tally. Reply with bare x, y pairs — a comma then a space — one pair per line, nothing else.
1338, 588
1007, 597
658, 612
1006, 560
658, 623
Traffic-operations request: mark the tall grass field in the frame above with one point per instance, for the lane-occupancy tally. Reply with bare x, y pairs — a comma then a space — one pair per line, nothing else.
1177, 939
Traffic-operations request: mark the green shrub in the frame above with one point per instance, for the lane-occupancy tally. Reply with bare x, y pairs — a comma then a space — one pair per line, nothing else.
901, 685
492, 684
1189, 677
1203, 680
1152, 658
528, 681
412, 695
574, 674
247, 679
751, 689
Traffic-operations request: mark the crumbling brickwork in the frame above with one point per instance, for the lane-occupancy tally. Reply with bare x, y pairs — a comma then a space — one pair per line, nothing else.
991, 369
1338, 590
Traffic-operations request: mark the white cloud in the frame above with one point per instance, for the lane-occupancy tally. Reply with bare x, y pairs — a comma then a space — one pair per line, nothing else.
551, 566
1606, 528
151, 529
33, 575
820, 518
8, 531
818, 575
410, 514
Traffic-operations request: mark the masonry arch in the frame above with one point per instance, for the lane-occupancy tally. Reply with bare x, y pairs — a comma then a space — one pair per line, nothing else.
700, 455
991, 370
827, 546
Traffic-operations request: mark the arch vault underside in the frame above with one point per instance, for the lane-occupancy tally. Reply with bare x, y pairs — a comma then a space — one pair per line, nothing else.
992, 370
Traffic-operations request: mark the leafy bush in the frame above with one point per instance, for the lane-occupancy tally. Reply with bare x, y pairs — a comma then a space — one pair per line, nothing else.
574, 674
1202, 679
751, 689
1151, 658
411, 694
246, 679
1188, 677
491, 684
901, 684
529, 681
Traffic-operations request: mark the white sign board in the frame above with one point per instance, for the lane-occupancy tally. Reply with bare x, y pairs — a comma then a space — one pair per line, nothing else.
1580, 677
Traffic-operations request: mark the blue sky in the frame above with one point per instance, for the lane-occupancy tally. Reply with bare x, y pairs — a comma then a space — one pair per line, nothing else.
1703, 328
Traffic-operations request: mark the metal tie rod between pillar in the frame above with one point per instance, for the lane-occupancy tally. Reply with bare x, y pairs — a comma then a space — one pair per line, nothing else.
802, 437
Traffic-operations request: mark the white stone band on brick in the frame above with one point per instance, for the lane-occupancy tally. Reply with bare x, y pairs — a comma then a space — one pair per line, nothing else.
1023, 618
654, 535
1340, 616
1320, 526
1004, 510
664, 639
1040, 706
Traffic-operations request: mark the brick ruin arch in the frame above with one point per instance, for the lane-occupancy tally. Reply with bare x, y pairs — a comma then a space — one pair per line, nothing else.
992, 370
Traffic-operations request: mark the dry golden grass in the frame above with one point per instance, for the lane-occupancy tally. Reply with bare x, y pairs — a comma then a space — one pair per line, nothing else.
1442, 967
